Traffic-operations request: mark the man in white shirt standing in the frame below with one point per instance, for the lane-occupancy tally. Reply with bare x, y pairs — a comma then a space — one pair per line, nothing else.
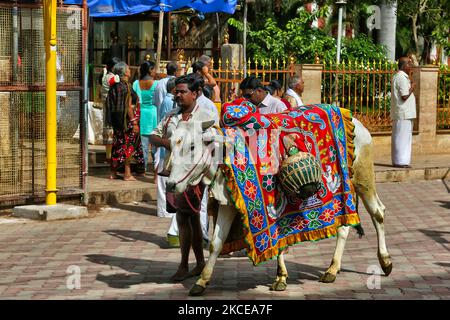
204, 104
253, 90
160, 89
189, 225
295, 89
403, 113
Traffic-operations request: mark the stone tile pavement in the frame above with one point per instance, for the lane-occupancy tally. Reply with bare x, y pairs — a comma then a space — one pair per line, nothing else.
121, 253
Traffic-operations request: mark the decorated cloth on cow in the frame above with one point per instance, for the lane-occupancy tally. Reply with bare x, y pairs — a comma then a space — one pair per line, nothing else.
271, 219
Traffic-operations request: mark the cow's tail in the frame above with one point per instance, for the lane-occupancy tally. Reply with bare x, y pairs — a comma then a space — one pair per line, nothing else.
358, 227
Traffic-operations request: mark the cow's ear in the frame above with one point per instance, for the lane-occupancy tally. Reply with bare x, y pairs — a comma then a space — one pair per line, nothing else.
207, 124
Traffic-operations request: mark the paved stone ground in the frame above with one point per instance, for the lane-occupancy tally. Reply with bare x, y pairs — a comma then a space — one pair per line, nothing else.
122, 254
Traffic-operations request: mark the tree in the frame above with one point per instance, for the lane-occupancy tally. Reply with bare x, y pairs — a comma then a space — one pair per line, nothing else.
388, 27
297, 39
428, 19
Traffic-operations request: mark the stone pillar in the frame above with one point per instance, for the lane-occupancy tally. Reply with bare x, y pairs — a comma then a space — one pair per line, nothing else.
234, 53
312, 75
426, 79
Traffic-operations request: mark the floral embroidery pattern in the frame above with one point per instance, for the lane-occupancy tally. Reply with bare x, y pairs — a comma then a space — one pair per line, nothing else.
268, 182
250, 190
257, 220
238, 112
327, 216
273, 216
262, 242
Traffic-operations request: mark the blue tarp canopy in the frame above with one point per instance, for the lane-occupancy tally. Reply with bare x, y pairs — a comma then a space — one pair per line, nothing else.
117, 8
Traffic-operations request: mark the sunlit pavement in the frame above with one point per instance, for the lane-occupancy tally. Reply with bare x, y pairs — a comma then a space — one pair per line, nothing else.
121, 253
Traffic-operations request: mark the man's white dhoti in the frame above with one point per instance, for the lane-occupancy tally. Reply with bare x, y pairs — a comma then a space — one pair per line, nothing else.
401, 142
161, 188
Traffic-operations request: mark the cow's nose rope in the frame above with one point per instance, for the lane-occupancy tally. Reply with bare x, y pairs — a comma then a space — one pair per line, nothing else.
198, 193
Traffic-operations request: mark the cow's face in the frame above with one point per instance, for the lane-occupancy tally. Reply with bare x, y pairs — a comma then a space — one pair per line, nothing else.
192, 154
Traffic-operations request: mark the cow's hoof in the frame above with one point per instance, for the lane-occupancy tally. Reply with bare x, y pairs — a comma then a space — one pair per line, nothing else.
327, 278
386, 264
197, 290
387, 269
278, 286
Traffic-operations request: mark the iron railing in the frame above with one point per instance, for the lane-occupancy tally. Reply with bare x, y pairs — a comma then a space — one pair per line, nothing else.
228, 76
443, 100
364, 88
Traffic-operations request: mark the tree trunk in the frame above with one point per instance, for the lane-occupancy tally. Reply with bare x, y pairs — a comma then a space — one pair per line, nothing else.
356, 19
198, 37
388, 27
416, 38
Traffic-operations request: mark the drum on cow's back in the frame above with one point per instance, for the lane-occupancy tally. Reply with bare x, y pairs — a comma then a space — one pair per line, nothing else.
300, 175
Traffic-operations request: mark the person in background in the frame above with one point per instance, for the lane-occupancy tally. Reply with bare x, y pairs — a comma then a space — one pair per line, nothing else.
208, 78
108, 79
122, 114
145, 88
161, 87
296, 86
158, 97
168, 102
254, 91
163, 210
276, 90
403, 113
202, 100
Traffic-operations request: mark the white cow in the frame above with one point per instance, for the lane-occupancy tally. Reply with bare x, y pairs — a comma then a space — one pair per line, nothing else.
190, 166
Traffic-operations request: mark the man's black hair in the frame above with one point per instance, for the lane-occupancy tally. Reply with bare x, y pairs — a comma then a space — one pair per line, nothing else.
402, 62
171, 68
208, 91
251, 83
170, 85
111, 63
194, 81
273, 85
197, 66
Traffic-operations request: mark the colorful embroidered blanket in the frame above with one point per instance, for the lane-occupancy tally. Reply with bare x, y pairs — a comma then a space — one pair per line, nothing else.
272, 220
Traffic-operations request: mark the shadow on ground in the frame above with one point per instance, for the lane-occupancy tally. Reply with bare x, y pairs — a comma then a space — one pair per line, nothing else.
146, 210
140, 271
438, 236
133, 236
444, 204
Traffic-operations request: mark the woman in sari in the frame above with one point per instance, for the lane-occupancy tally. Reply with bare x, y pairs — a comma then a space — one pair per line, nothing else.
122, 114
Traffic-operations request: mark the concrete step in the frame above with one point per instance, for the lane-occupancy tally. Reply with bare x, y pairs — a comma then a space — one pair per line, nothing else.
99, 169
412, 175
104, 191
96, 157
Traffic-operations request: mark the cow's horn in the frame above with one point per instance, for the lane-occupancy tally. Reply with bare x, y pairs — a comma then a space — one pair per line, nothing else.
207, 124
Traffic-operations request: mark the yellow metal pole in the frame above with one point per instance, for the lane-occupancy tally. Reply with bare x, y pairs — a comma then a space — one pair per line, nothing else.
50, 99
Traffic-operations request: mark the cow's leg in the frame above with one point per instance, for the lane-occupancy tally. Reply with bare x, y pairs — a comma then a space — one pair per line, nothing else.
280, 283
364, 182
224, 220
335, 266
376, 210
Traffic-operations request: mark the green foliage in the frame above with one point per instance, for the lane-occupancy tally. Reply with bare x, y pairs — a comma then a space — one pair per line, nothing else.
432, 21
304, 42
269, 42
239, 25
362, 48
298, 39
